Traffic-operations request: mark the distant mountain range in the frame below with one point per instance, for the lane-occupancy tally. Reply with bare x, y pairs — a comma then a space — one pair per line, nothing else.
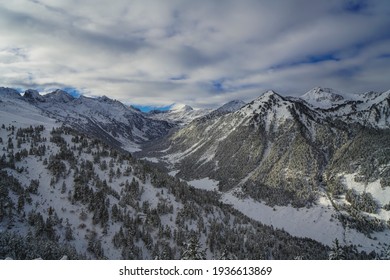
108, 119
102, 117
179, 114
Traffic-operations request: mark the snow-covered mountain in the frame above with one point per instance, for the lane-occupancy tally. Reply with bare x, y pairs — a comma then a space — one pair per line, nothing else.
58, 96
181, 108
323, 97
278, 154
14, 107
369, 109
9, 93
108, 119
231, 106
180, 114
33, 96
243, 138
183, 114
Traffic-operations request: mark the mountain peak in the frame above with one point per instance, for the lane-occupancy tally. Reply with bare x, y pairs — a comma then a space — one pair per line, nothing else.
33, 95
320, 93
9, 92
270, 106
269, 94
106, 99
59, 95
322, 97
180, 114
181, 107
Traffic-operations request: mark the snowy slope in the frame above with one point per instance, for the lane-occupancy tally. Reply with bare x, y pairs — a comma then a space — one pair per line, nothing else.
318, 222
180, 114
371, 109
102, 117
235, 143
105, 118
231, 106
13, 109
323, 97
56, 196
270, 108
9, 93
273, 153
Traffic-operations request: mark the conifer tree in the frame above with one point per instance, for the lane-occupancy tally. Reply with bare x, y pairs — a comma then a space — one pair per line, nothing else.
337, 251
193, 251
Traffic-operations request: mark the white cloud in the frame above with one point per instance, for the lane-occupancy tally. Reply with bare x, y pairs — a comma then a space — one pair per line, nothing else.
134, 50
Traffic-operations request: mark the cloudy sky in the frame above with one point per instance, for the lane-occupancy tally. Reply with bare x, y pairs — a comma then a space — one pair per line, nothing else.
201, 53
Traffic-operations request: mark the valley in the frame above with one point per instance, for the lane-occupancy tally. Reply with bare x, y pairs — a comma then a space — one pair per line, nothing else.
275, 178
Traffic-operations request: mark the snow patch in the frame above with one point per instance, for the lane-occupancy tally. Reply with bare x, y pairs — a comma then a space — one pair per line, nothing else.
151, 159
380, 195
173, 173
317, 222
204, 184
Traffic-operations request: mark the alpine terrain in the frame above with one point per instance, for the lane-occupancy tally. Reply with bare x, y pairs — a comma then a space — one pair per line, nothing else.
277, 178
316, 166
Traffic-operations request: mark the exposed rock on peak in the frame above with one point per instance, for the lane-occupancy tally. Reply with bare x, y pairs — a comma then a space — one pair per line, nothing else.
33, 95
9, 92
60, 96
